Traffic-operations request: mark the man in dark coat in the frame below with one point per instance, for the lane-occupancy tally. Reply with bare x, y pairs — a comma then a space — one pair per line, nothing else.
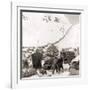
36, 59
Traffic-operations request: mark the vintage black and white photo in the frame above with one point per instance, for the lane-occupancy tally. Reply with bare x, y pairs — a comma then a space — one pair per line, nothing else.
50, 44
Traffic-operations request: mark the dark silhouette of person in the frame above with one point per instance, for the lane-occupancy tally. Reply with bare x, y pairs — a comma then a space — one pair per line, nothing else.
36, 59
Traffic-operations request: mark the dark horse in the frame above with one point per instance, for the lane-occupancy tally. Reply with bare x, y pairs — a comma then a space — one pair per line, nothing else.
57, 65
54, 64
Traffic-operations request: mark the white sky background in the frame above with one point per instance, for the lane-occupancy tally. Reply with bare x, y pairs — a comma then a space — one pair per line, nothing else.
38, 32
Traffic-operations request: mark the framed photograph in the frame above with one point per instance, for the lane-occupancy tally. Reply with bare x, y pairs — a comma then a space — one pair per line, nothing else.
46, 45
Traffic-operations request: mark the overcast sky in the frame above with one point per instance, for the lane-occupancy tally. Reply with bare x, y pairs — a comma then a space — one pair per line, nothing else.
41, 28
73, 19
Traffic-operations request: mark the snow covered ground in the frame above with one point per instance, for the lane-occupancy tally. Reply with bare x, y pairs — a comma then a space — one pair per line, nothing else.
65, 74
